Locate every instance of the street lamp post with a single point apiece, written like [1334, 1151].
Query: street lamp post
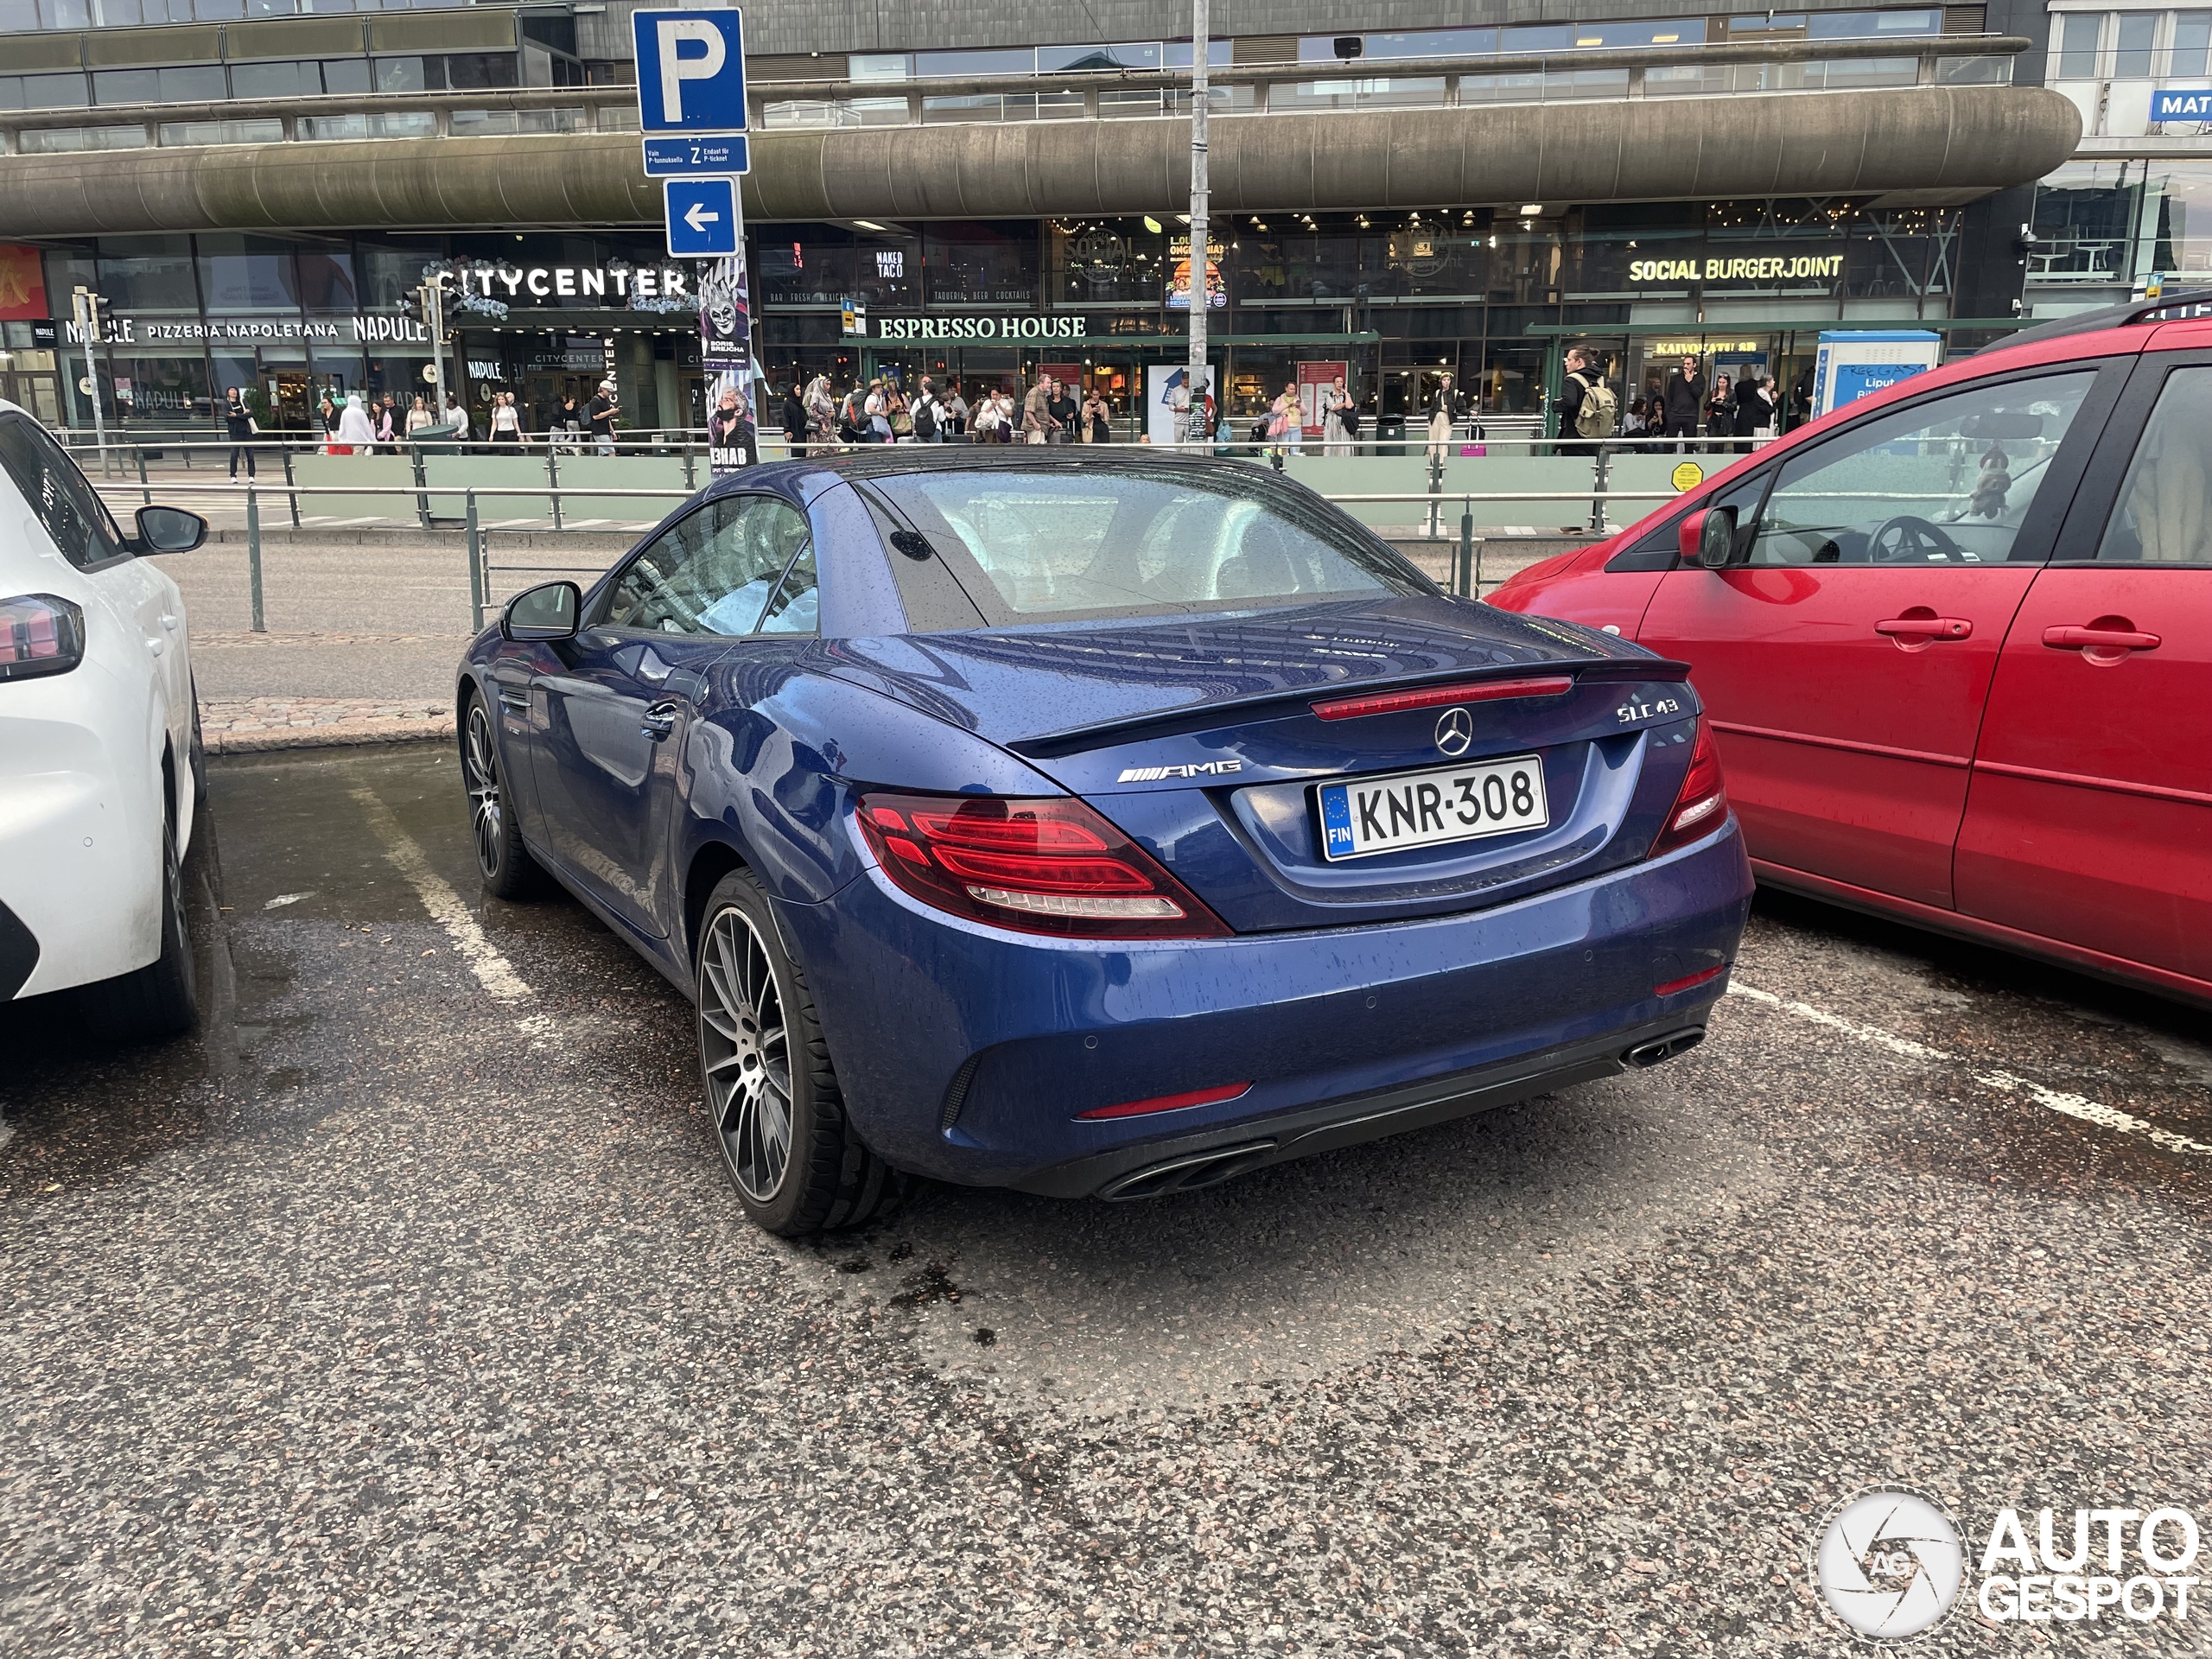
[1195, 376]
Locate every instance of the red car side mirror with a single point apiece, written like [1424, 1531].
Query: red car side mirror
[1708, 537]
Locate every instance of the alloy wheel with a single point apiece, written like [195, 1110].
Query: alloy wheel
[480, 774]
[745, 1054]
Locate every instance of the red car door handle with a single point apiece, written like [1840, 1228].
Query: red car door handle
[2094, 639]
[1926, 627]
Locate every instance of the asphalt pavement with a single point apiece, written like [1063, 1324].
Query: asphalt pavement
[406, 1310]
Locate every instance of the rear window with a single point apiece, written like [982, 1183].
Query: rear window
[1052, 543]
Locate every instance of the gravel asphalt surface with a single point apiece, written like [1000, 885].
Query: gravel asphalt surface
[407, 1311]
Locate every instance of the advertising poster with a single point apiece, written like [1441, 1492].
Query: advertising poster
[1318, 388]
[725, 356]
[23, 284]
[1179, 293]
[1166, 399]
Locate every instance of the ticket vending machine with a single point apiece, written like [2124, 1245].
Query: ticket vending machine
[1854, 362]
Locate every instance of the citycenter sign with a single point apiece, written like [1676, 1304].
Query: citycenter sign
[573, 281]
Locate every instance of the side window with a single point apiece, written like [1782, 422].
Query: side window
[59, 494]
[2163, 515]
[1662, 549]
[796, 607]
[712, 571]
[1948, 482]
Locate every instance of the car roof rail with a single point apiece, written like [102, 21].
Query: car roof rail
[2167, 307]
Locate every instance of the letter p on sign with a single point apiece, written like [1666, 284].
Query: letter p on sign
[690, 71]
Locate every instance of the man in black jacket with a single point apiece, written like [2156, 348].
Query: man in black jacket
[1684, 401]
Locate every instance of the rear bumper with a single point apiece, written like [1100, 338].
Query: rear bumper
[966, 1053]
[80, 841]
[1161, 1167]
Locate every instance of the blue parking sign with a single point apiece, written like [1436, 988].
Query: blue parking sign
[690, 70]
[702, 222]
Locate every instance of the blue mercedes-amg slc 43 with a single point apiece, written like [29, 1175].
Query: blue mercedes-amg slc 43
[1095, 823]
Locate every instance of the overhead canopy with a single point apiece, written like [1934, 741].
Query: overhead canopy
[1940, 144]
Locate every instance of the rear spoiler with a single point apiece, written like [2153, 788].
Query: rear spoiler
[1174, 722]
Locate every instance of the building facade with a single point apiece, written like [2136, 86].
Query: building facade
[941, 192]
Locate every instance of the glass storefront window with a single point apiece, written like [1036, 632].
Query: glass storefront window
[148, 273]
[2192, 35]
[2085, 216]
[2138, 32]
[1054, 59]
[1090, 262]
[984, 263]
[886, 271]
[802, 264]
[43, 91]
[388, 274]
[295, 79]
[2077, 45]
[165, 389]
[243, 274]
[327, 279]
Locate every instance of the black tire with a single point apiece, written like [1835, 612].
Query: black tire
[762, 1056]
[160, 1000]
[508, 870]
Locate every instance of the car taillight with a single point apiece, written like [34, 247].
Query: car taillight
[1051, 865]
[1702, 801]
[39, 633]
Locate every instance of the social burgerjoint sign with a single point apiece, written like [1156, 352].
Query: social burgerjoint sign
[1779, 268]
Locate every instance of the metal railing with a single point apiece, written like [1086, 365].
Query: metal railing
[1719, 69]
[1466, 570]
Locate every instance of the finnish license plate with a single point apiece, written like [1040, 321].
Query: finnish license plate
[1427, 808]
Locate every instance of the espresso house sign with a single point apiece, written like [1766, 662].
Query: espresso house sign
[986, 327]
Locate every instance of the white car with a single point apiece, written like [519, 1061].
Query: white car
[100, 762]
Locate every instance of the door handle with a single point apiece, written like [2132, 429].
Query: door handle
[659, 721]
[2099, 637]
[1926, 627]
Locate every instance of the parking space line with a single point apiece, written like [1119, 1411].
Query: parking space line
[2075, 1106]
[493, 971]
[2090, 1112]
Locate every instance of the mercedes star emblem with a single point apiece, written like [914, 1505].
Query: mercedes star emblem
[1455, 730]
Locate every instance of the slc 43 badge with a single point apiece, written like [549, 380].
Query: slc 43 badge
[1629, 713]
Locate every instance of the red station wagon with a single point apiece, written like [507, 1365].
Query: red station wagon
[1956, 641]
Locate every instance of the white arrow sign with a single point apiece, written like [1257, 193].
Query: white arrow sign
[698, 218]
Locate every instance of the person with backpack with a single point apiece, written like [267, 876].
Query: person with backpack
[927, 414]
[1588, 407]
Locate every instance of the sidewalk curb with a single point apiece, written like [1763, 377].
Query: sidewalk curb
[339, 735]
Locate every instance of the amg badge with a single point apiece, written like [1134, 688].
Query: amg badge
[1202, 769]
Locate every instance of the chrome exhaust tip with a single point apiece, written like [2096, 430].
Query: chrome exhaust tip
[1183, 1174]
[1664, 1048]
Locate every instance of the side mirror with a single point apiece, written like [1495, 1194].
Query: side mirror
[170, 530]
[548, 611]
[1708, 537]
